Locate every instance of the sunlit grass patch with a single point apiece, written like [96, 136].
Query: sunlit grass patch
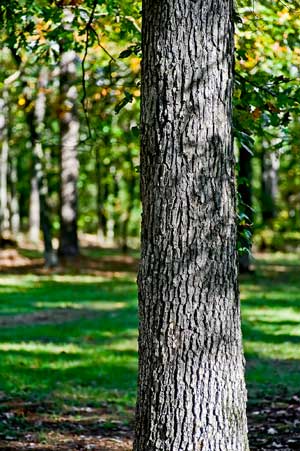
[271, 326]
[82, 348]
[278, 258]
[73, 339]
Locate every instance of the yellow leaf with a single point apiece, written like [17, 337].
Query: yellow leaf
[22, 101]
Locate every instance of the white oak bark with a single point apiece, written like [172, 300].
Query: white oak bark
[191, 394]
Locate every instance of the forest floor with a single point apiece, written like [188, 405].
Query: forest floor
[68, 354]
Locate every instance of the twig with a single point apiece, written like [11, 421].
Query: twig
[133, 21]
[100, 45]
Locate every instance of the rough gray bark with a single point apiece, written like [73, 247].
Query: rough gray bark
[191, 393]
[37, 128]
[269, 184]
[68, 240]
[4, 213]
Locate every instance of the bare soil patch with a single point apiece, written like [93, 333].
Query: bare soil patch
[13, 262]
[39, 427]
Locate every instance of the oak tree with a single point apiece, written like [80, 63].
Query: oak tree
[191, 392]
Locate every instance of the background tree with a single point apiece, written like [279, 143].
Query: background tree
[39, 166]
[4, 214]
[69, 122]
[69, 135]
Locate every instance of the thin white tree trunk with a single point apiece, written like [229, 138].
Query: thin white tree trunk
[14, 200]
[34, 210]
[4, 213]
[270, 164]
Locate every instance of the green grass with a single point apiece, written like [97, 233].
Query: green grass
[79, 341]
[271, 326]
[75, 342]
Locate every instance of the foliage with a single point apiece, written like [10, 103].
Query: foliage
[266, 99]
[33, 34]
[106, 37]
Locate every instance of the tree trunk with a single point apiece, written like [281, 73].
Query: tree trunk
[245, 192]
[38, 125]
[130, 189]
[116, 216]
[102, 226]
[34, 209]
[14, 199]
[191, 394]
[4, 214]
[68, 240]
[269, 184]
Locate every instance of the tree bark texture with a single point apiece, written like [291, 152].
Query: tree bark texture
[68, 240]
[191, 393]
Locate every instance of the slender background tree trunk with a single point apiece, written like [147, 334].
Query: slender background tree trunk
[68, 240]
[4, 213]
[100, 198]
[191, 393]
[130, 189]
[269, 184]
[245, 191]
[34, 209]
[38, 126]
[14, 199]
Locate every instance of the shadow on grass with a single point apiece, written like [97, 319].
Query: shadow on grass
[258, 334]
[271, 314]
[73, 338]
[30, 294]
[73, 341]
[69, 360]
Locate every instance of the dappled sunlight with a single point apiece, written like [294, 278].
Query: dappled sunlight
[44, 348]
[104, 305]
[70, 342]
[271, 331]
[69, 339]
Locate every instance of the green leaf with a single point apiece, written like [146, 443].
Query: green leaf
[126, 53]
[127, 99]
